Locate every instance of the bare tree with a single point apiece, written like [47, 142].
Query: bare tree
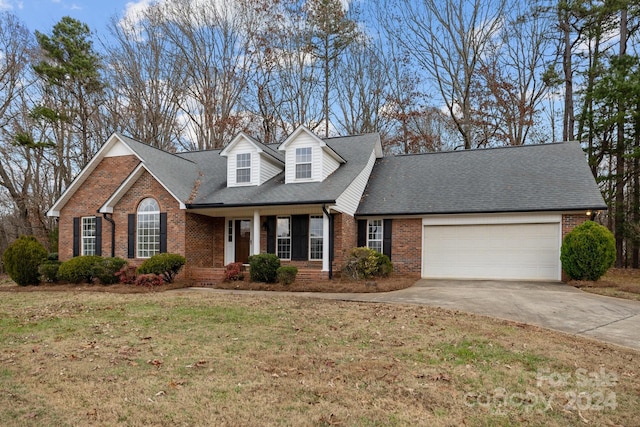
[213, 43]
[363, 85]
[146, 75]
[448, 39]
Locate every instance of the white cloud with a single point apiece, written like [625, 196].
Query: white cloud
[5, 5]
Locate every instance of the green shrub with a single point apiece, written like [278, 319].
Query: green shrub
[264, 268]
[588, 251]
[167, 265]
[81, 269]
[108, 268]
[287, 274]
[234, 271]
[49, 271]
[22, 259]
[53, 256]
[365, 263]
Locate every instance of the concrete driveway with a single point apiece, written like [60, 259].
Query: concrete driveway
[551, 305]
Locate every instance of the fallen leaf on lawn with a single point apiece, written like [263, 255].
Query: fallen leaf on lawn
[155, 362]
[160, 393]
[440, 377]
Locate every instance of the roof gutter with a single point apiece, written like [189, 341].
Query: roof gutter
[418, 213]
[246, 205]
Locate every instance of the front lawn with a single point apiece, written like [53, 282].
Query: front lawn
[201, 358]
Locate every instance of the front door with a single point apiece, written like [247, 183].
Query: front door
[243, 240]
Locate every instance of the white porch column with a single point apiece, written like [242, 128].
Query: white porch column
[325, 242]
[256, 233]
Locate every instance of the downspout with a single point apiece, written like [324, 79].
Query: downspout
[113, 233]
[326, 212]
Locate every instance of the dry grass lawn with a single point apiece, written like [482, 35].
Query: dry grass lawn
[617, 282]
[201, 358]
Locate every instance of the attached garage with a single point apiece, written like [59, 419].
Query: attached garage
[518, 247]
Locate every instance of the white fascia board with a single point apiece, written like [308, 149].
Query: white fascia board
[295, 134]
[225, 151]
[54, 211]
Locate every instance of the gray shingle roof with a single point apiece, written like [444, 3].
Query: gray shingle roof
[176, 173]
[548, 177]
[213, 190]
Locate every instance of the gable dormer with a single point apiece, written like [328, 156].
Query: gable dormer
[250, 162]
[308, 158]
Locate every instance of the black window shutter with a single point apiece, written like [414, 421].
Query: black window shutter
[386, 238]
[272, 225]
[98, 236]
[131, 236]
[163, 232]
[76, 236]
[362, 233]
[299, 237]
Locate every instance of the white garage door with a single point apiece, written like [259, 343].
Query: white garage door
[489, 251]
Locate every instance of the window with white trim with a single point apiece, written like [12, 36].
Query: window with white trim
[148, 228]
[283, 244]
[374, 234]
[88, 235]
[243, 168]
[303, 163]
[315, 237]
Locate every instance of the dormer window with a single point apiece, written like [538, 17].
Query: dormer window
[243, 168]
[303, 163]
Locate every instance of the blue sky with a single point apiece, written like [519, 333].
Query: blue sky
[42, 15]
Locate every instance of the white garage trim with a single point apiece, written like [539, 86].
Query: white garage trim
[508, 247]
[492, 219]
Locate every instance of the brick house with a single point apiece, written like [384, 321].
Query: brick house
[495, 213]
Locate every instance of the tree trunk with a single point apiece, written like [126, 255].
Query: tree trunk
[620, 214]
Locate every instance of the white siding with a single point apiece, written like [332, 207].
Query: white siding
[349, 200]
[268, 170]
[329, 165]
[242, 147]
[322, 165]
[303, 140]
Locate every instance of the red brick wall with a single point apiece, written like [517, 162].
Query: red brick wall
[199, 237]
[346, 238]
[219, 236]
[406, 246]
[147, 186]
[91, 195]
[570, 221]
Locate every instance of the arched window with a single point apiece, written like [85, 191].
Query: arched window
[148, 228]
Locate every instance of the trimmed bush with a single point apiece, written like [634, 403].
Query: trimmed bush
[234, 272]
[365, 263]
[81, 269]
[49, 271]
[588, 251]
[287, 274]
[264, 268]
[53, 256]
[166, 265]
[108, 268]
[22, 259]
